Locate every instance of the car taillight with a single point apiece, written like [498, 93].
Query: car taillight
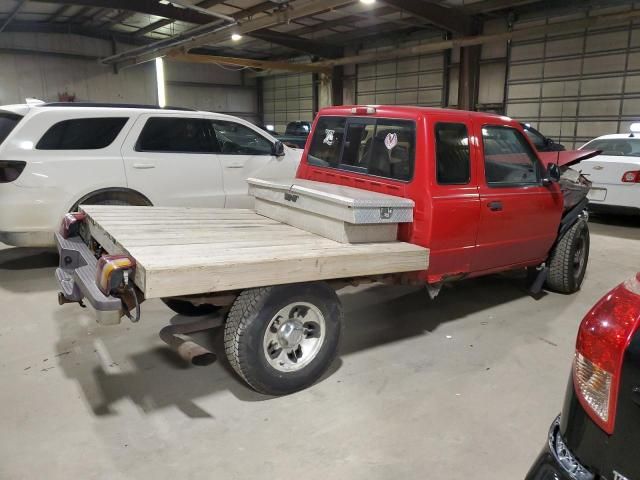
[10, 170]
[603, 338]
[631, 177]
[113, 272]
[70, 225]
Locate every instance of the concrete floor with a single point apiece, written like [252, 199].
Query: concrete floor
[463, 386]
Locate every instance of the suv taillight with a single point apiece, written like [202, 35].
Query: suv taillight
[631, 177]
[10, 170]
[603, 338]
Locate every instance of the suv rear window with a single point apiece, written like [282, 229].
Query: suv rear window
[8, 122]
[82, 134]
[373, 146]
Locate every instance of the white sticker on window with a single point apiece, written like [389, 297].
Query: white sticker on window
[328, 137]
[391, 140]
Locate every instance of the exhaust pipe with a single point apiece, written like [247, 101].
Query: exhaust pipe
[189, 350]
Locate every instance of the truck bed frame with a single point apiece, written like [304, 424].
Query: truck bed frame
[190, 251]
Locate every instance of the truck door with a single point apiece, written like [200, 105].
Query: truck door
[454, 193]
[519, 216]
[172, 159]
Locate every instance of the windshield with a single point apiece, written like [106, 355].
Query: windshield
[8, 121]
[617, 147]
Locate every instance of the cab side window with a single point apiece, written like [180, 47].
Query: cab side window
[237, 139]
[177, 135]
[508, 158]
[453, 166]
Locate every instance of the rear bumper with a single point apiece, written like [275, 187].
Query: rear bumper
[556, 462]
[76, 277]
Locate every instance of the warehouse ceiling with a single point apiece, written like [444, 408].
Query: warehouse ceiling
[294, 27]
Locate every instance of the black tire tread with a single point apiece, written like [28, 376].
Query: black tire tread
[245, 305]
[560, 273]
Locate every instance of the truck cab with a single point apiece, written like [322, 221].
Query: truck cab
[484, 200]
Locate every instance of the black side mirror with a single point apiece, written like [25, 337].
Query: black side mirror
[553, 174]
[278, 149]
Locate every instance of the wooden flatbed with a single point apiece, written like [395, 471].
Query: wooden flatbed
[187, 251]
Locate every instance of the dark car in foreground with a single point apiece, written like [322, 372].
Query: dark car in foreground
[597, 436]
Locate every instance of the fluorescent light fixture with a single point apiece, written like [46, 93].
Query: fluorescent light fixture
[368, 2]
[162, 99]
[635, 127]
[236, 37]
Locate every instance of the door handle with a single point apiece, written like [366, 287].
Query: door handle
[495, 206]
[237, 165]
[143, 166]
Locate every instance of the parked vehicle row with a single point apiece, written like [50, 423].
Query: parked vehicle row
[54, 157]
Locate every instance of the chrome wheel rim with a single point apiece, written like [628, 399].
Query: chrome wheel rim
[294, 336]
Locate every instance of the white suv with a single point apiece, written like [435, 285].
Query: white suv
[54, 157]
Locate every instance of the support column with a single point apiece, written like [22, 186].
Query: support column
[469, 77]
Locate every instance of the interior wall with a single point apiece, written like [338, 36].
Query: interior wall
[287, 98]
[70, 67]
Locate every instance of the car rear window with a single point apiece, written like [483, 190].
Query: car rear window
[373, 146]
[8, 122]
[617, 147]
[179, 135]
[82, 134]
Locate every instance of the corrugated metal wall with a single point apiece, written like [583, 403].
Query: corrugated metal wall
[407, 81]
[287, 98]
[574, 86]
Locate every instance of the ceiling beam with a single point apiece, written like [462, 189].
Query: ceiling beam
[59, 12]
[297, 43]
[246, 62]
[449, 19]
[213, 33]
[468, 41]
[150, 7]
[151, 27]
[12, 14]
[74, 29]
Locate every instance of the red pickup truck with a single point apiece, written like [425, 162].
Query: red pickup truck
[483, 202]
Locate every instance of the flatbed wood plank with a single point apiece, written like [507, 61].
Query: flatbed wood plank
[214, 250]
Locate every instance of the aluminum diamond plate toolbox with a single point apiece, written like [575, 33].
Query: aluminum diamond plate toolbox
[348, 204]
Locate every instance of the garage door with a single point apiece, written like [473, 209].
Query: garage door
[575, 86]
[408, 81]
[287, 98]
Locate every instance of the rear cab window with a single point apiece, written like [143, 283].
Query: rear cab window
[379, 147]
[8, 122]
[453, 163]
[82, 134]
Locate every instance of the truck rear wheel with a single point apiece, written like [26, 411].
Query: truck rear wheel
[568, 260]
[281, 339]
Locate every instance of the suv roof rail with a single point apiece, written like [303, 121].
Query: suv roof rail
[114, 105]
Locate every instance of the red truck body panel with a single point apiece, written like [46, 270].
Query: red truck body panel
[466, 235]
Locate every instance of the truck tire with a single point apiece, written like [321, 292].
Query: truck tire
[568, 260]
[188, 309]
[281, 339]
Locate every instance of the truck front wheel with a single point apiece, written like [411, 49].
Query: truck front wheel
[281, 339]
[568, 260]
